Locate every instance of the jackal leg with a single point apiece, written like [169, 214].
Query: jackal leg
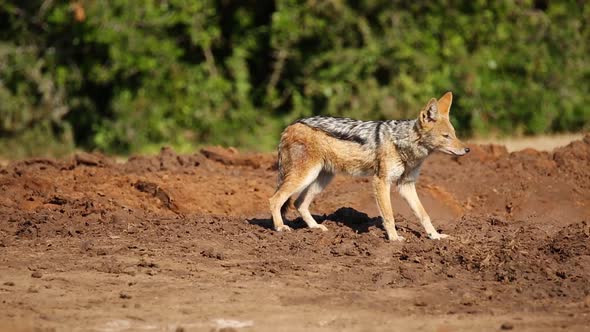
[408, 192]
[304, 200]
[382, 189]
[293, 183]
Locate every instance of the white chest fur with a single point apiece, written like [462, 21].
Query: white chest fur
[396, 171]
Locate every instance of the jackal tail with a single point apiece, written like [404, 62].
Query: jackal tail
[289, 202]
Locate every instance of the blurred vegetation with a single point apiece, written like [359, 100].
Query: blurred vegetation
[128, 76]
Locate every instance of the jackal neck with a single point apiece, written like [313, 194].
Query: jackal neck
[407, 140]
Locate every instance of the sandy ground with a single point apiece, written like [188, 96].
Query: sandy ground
[540, 142]
[183, 243]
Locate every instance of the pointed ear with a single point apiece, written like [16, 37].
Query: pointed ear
[429, 114]
[444, 103]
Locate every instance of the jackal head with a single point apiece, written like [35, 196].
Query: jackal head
[435, 128]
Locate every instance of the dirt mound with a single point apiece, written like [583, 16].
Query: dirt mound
[571, 241]
[126, 245]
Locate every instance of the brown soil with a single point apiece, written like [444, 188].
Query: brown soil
[183, 243]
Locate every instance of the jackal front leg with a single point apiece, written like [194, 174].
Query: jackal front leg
[408, 192]
[382, 195]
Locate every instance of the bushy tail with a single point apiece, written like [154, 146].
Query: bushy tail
[289, 202]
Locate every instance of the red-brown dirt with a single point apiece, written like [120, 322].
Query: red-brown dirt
[183, 243]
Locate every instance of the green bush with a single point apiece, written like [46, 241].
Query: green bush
[128, 76]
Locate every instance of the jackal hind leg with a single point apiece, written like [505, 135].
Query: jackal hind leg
[304, 200]
[294, 182]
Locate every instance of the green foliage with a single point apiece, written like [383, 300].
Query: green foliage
[126, 76]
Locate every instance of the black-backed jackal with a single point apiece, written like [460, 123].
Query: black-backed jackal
[313, 149]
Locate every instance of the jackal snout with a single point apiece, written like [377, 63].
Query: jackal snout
[455, 147]
[436, 128]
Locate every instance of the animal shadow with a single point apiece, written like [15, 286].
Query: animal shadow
[360, 222]
[349, 217]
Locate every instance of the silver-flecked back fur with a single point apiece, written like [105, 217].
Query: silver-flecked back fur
[369, 134]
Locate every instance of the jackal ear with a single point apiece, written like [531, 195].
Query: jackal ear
[429, 114]
[444, 103]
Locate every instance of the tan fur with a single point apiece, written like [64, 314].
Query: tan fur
[309, 157]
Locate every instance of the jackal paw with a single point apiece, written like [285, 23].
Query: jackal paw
[397, 239]
[438, 236]
[283, 228]
[322, 227]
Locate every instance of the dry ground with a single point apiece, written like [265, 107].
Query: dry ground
[540, 142]
[183, 243]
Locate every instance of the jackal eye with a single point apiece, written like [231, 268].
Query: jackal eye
[446, 136]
